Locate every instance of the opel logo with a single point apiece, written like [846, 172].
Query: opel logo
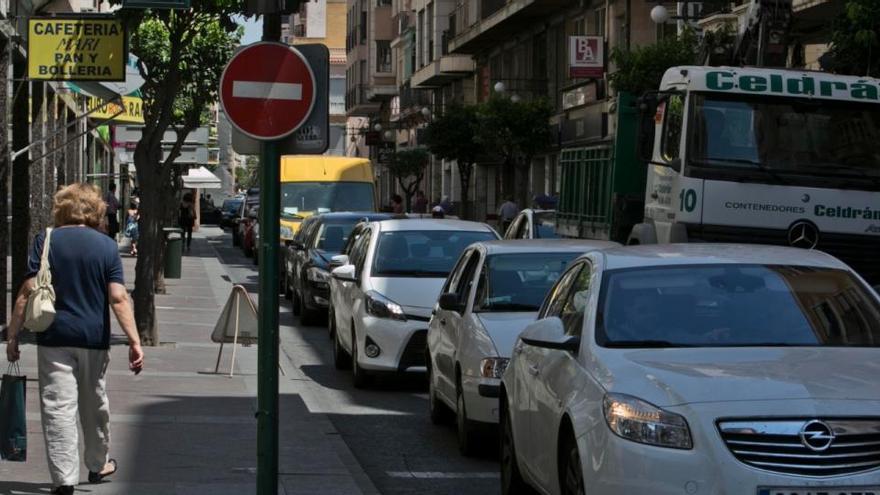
[816, 435]
[803, 234]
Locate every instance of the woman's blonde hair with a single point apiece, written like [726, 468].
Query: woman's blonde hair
[79, 204]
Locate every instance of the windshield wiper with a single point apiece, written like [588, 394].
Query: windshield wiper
[647, 344]
[508, 307]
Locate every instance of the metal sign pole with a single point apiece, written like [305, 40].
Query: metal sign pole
[267, 366]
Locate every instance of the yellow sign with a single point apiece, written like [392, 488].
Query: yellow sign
[132, 109]
[76, 49]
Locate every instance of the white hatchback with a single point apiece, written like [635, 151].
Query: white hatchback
[383, 294]
[699, 369]
[492, 294]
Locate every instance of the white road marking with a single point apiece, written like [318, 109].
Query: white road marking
[441, 475]
[267, 90]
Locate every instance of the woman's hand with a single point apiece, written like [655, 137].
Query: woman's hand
[135, 357]
[12, 352]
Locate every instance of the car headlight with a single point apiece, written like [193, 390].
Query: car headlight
[315, 274]
[493, 367]
[381, 307]
[639, 421]
[286, 232]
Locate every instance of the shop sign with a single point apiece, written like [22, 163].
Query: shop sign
[586, 57]
[76, 49]
[131, 108]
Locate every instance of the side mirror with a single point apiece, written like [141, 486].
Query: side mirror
[449, 302]
[549, 333]
[338, 260]
[344, 273]
[675, 164]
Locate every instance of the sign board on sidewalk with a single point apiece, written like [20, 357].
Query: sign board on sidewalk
[76, 49]
[313, 136]
[267, 90]
[238, 320]
[586, 56]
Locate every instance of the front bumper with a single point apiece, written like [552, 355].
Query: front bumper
[481, 398]
[317, 295]
[402, 344]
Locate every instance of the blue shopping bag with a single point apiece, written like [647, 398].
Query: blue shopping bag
[13, 423]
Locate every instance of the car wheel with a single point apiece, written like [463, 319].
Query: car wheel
[464, 427]
[512, 482]
[439, 411]
[341, 359]
[296, 305]
[308, 317]
[358, 374]
[571, 476]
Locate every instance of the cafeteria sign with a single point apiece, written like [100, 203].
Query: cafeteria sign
[129, 111]
[76, 49]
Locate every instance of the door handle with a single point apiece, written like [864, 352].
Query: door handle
[443, 321]
[533, 370]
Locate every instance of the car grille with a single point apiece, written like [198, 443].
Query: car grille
[804, 447]
[414, 352]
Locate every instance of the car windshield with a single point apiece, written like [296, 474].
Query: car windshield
[780, 136]
[736, 305]
[422, 253]
[545, 225]
[299, 197]
[332, 235]
[518, 282]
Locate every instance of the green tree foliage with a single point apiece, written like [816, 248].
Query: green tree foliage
[641, 68]
[451, 136]
[854, 39]
[517, 131]
[408, 167]
[246, 177]
[182, 54]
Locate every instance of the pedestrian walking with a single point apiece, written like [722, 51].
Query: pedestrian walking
[397, 204]
[187, 219]
[132, 228]
[73, 352]
[112, 206]
[419, 202]
[507, 213]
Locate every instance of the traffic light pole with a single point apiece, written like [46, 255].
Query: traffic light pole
[267, 366]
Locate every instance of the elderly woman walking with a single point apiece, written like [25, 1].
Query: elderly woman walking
[73, 352]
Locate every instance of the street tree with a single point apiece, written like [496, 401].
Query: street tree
[408, 167]
[855, 40]
[517, 131]
[182, 54]
[246, 176]
[450, 136]
[640, 68]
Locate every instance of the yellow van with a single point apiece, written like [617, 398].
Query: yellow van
[312, 184]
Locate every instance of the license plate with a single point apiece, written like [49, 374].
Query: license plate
[819, 490]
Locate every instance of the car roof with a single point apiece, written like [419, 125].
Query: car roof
[352, 215]
[712, 253]
[520, 246]
[432, 224]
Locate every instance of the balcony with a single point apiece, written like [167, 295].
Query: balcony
[413, 99]
[477, 24]
[444, 69]
[357, 103]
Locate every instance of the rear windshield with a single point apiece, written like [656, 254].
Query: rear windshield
[332, 235]
[422, 253]
[545, 225]
[736, 305]
[518, 282]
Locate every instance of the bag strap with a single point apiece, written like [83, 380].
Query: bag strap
[13, 369]
[44, 260]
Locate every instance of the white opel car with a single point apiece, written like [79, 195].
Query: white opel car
[382, 297]
[494, 291]
[700, 369]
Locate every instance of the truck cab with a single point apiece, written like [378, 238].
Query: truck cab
[771, 156]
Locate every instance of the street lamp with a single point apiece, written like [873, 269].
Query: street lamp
[515, 98]
[500, 87]
[426, 112]
[377, 127]
[389, 135]
[659, 14]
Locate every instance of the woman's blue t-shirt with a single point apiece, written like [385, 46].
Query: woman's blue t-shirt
[83, 262]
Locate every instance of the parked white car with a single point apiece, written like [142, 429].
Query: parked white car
[533, 224]
[383, 294]
[494, 291]
[697, 369]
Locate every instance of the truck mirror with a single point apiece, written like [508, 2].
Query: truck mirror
[675, 164]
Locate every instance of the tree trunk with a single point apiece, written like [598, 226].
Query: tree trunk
[464, 177]
[38, 163]
[147, 161]
[20, 172]
[522, 185]
[4, 180]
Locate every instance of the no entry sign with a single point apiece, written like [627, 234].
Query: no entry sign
[267, 90]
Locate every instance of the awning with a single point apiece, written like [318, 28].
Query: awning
[201, 178]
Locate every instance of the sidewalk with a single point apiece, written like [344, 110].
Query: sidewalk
[178, 428]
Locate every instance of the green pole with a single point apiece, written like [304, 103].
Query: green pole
[267, 365]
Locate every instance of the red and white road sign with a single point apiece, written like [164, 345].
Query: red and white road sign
[267, 90]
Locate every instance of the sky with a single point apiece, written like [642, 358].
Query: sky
[253, 30]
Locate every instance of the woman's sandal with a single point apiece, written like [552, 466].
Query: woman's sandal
[98, 477]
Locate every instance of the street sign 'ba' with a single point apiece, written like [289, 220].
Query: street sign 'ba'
[267, 90]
